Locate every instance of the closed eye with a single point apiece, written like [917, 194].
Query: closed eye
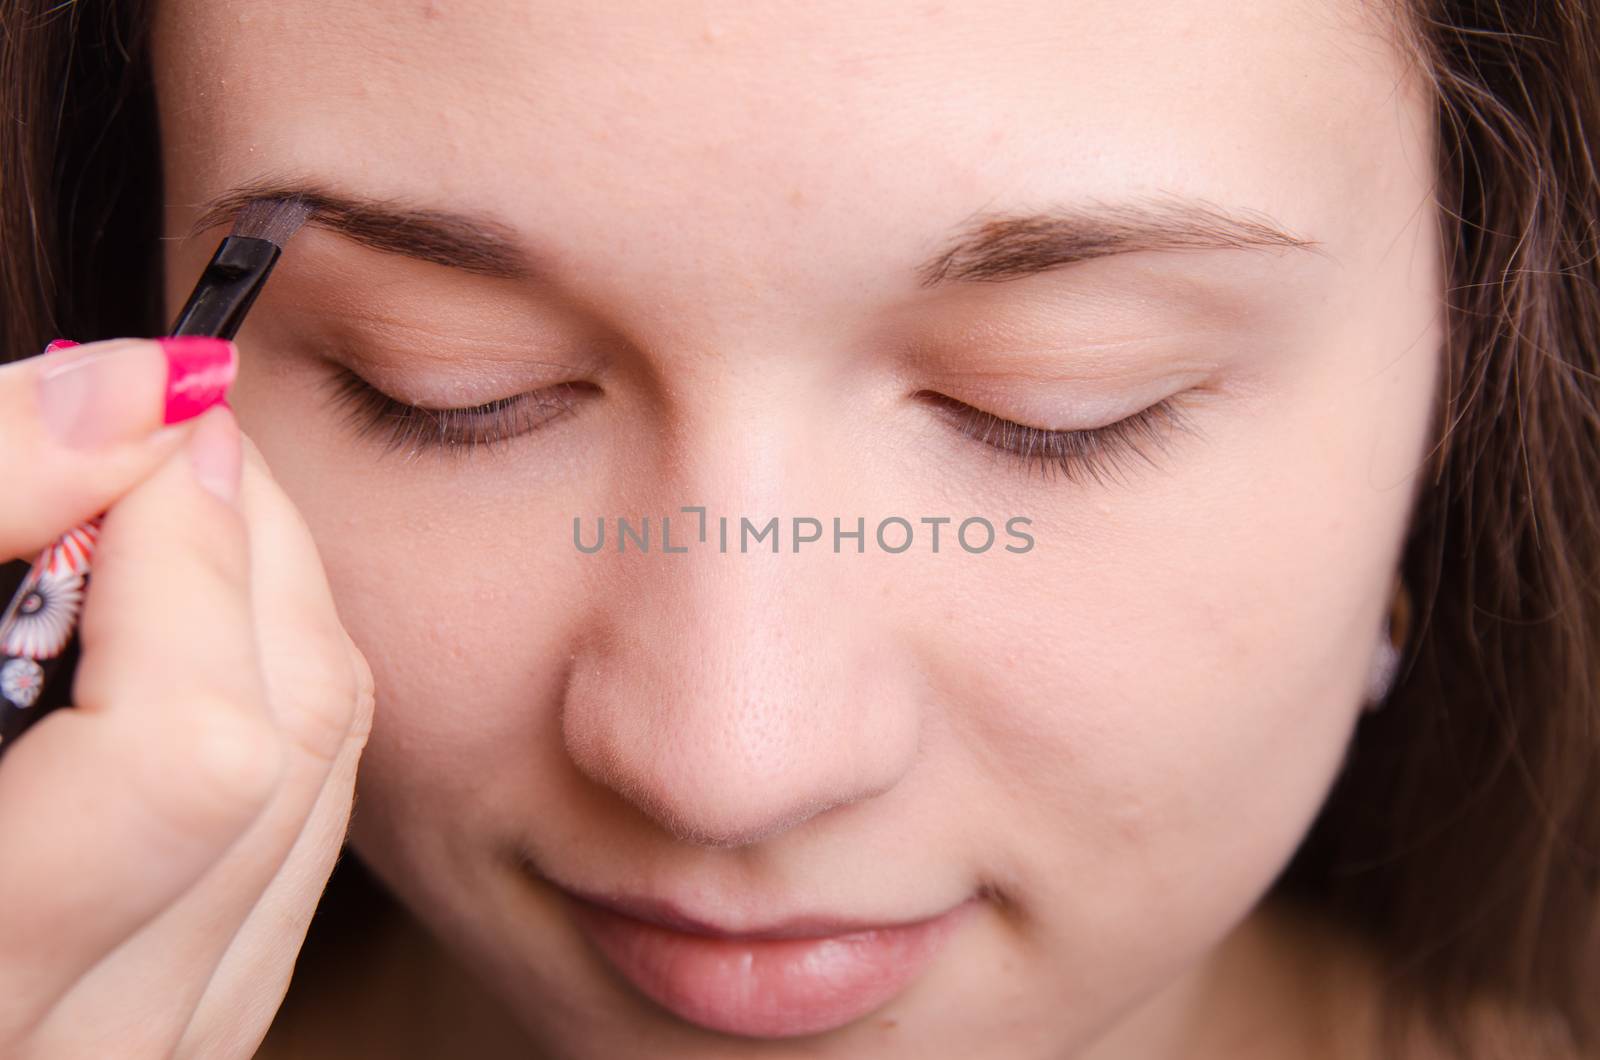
[1096, 453]
[456, 431]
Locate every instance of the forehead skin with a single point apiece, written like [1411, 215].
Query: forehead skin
[760, 141]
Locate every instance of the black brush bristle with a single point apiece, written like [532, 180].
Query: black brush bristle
[274, 220]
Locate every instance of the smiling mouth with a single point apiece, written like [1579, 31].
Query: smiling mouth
[783, 978]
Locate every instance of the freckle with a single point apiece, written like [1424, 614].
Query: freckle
[888, 1025]
[713, 33]
[797, 197]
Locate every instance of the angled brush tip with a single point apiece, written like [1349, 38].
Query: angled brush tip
[272, 219]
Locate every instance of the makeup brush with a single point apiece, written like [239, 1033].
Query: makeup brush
[39, 627]
[240, 267]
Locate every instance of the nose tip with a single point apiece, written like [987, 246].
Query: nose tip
[746, 708]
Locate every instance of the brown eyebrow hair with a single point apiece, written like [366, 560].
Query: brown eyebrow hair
[990, 247]
[995, 247]
[459, 241]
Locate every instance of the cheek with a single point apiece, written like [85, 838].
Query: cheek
[1152, 705]
[454, 591]
[464, 629]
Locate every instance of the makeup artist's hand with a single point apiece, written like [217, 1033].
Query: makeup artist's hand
[164, 843]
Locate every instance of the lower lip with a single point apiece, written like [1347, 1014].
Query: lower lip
[766, 988]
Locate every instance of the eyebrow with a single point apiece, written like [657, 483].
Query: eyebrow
[457, 240]
[989, 247]
[996, 247]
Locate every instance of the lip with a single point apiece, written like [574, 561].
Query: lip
[802, 975]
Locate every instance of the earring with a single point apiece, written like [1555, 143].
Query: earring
[1391, 646]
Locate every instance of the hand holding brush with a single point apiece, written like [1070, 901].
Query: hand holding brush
[166, 838]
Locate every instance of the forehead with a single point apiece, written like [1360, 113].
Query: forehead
[834, 129]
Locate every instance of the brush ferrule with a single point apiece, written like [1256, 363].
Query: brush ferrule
[227, 288]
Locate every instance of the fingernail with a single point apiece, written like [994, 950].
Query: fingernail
[215, 452]
[90, 396]
[199, 372]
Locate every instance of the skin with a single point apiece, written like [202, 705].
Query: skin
[1117, 738]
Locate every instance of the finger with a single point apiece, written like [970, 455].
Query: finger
[262, 958]
[314, 675]
[245, 919]
[80, 426]
[110, 810]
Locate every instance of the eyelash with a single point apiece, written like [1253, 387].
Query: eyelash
[1094, 453]
[452, 432]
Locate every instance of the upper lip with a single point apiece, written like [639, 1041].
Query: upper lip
[668, 914]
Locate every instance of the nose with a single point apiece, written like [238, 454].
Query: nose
[733, 696]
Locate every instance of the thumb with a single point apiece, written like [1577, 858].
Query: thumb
[82, 425]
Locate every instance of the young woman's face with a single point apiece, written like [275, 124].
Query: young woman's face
[750, 258]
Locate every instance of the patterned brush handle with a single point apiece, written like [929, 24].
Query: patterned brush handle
[38, 631]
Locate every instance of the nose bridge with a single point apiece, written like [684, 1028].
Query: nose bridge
[730, 695]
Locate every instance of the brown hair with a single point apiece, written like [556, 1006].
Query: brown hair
[1463, 837]
[1464, 833]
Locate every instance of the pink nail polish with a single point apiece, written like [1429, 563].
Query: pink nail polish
[199, 372]
[59, 344]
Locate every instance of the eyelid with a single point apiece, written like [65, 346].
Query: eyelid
[1057, 394]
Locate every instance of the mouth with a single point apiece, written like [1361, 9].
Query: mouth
[786, 978]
